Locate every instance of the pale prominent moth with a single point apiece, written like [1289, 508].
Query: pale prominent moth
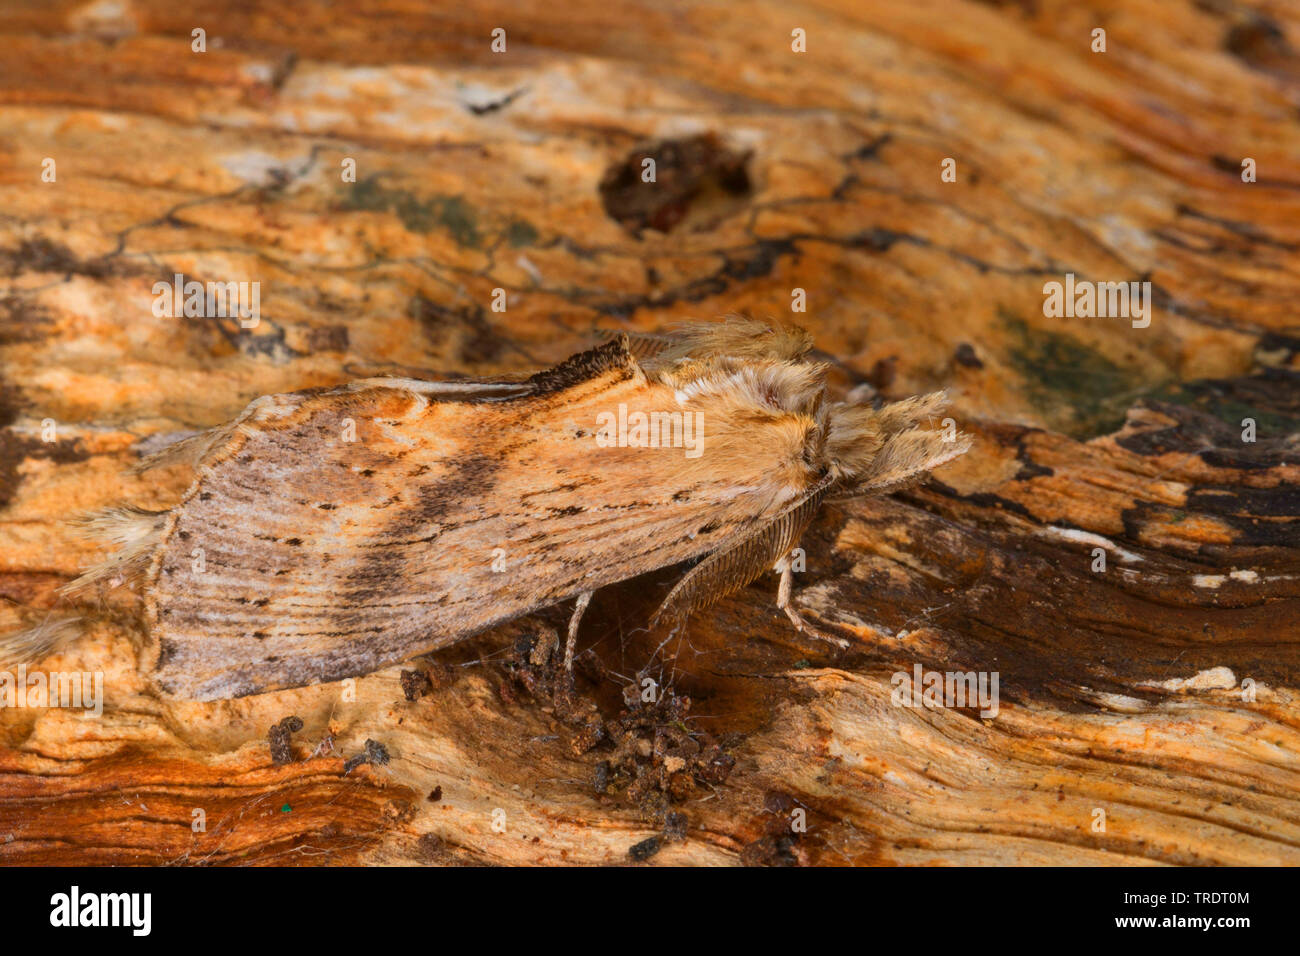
[332, 532]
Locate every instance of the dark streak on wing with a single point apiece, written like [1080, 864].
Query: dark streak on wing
[473, 478]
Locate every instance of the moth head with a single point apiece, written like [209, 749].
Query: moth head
[870, 450]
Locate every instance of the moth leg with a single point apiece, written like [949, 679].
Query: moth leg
[785, 592]
[579, 607]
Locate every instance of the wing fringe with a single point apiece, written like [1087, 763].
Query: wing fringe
[36, 643]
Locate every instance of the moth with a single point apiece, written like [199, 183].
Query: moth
[332, 532]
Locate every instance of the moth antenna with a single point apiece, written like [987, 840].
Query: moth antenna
[643, 345]
[36, 643]
[741, 560]
[136, 531]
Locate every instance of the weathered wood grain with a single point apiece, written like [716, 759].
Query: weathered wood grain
[1121, 691]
